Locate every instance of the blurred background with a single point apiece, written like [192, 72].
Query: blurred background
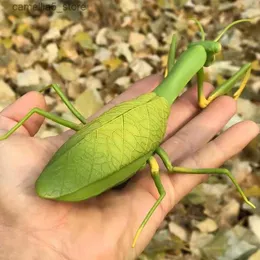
[95, 49]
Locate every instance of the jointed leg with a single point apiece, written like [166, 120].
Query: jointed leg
[171, 56]
[73, 110]
[244, 73]
[41, 112]
[157, 180]
[173, 169]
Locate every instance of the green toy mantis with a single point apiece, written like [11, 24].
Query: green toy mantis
[113, 147]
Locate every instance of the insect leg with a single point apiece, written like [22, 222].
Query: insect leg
[41, 112]
[157, 180]
[73, 110]
[174, 169]
[244, 73]
[171, 55]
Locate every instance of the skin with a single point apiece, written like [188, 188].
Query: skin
[104, 227]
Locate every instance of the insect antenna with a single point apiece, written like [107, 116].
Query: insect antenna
[202, 32]
[229, 26]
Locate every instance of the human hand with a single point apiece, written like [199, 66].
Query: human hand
[103, 227]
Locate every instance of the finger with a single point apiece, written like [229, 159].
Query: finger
[200, 129]
[16, 111]
[143, 192]
[214, 154]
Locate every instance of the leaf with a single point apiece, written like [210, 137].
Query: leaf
[112, 63]
[246, 255]
[254, 224]
[89, 102]
[240, 241]
[7, 42]
[167, 4]
[22, 28]
[180, 3]
[84, 40]
[215, 247]
[66, 71]
[253, 191]
[164, 241]
[254, 256]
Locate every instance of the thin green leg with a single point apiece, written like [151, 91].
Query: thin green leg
[41, 112]
[171, 55]
[73, 110]
[200, 27]
[244, 73]
[157, 180]
[173, 169]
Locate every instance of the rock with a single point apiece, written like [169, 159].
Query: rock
[89, 102]
[154, 60]
[254, 224]
[158, 26]
[96, 69]
[60, 108]
[108, 98]
[50, 101]
[60, 24]
[251, 9]
[2, 16]
[28, 78]
[216, 190]
[52, 35]
[233, 41]
[25, 61]
[229, 213]
[74, 89]
[68, 50]
[7, 95]
[67, 71]
[43, 22]
[123, 49]
[70, 117]
[123, 82]
[84, 40]
[137, 41]
[256, 86]
[72, 31]
[199, 240]
[141, 68]
[152, 41]
[255, 256]
[241, 170]
[178, 231]
[246, 109]
[130, 5]
[101, 38]
[207, 226]
[102, 54]
[221, 68]
[21, 43]
[234, 120]
[93, 83]
[51, 53]
[44, 75]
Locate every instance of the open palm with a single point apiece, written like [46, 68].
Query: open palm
[104, 227]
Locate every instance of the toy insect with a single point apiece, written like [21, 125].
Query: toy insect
[113, 147]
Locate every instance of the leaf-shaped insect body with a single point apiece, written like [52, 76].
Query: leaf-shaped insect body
[107, 151]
